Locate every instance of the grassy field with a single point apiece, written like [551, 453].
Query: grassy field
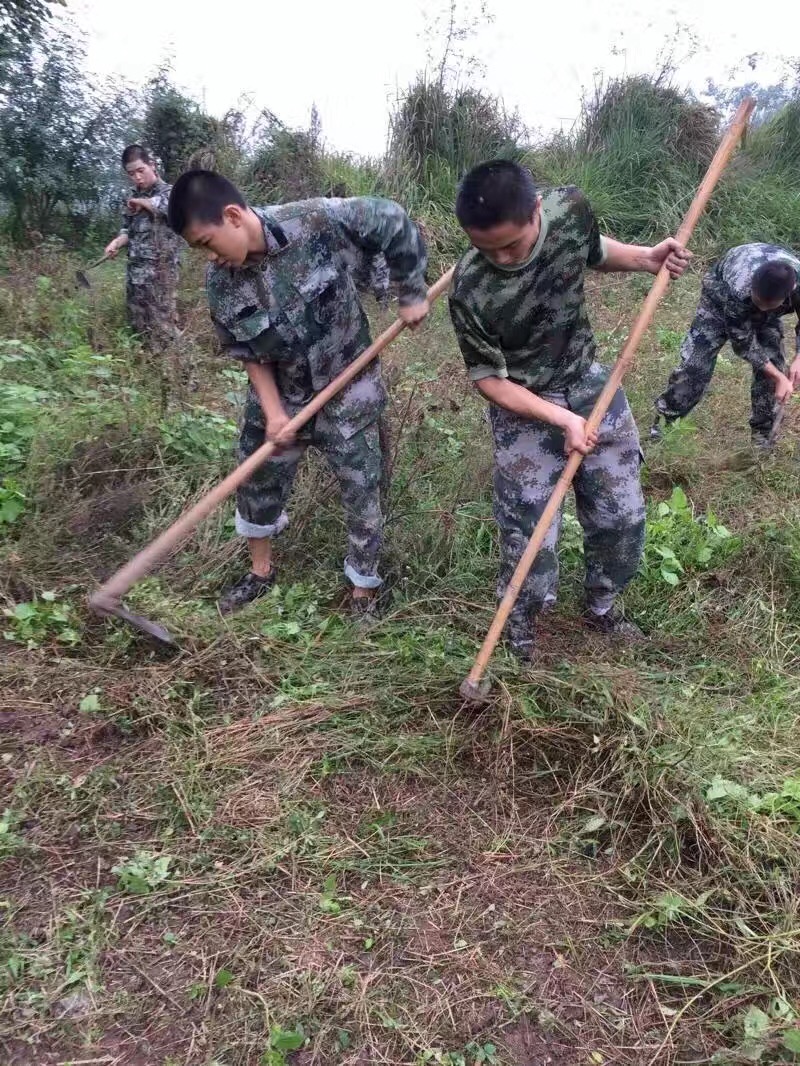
[290, 843]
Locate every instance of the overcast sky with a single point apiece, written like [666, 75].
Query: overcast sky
[350, 57]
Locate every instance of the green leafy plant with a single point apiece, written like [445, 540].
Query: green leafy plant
[784, 804]
[281, 1042]
[198, 436]
[143, 873]
[20, 410]
[10, 840]
[12, 502]
[667, 908]
[34, 622]
[678, 542]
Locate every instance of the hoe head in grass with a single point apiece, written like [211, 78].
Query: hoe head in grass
[752, 457]
[478, 694]
[114, 609]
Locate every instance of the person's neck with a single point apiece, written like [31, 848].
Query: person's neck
[256, 241]
[537, 229]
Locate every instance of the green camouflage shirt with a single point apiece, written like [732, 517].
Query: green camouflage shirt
[297, 307]
[149, 237]
[529, 323]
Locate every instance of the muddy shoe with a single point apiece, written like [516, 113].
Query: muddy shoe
[246, 589]
[365, 610]
[613, 624]
[760, 443]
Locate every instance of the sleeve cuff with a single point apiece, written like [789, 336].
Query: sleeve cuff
[408, 296]
[478, 373]
[240, 352]
[603, 252]
[757, 360]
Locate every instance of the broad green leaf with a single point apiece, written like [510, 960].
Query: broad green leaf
[722, 788]
[285, 1040]
[756, 1023]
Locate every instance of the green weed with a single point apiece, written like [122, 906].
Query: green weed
[143, 872]
[37, 621]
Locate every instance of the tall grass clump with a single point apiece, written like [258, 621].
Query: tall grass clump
[760, 198]
[640, 148]
[436, 133]
[638, 151]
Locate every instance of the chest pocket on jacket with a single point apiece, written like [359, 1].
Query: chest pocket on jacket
[264, 335]
[322, 295]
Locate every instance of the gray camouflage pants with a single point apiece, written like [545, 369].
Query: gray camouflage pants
[150, 296]
[356, 462]
[529, 459]
[701, 346]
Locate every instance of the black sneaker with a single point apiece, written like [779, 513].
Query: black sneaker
[613, 624]
[246, 589]
[365, 611]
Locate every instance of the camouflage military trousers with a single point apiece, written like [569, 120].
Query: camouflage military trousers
[701, 346]
[356, 462]
[150, 296]
[529, 459]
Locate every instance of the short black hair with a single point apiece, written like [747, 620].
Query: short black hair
[496, 192]
[134, 152]
[774, 281]
[201, 196]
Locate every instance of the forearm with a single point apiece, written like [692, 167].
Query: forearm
[520, 401]
[263, 381]
[772, 371]
[121, 238]
[625, 258]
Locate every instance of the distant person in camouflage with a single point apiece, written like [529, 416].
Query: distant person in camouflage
[284, 303]
[518, 308]
[153, 252]
[742, 300]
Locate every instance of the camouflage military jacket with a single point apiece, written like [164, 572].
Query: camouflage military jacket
[149, 237]
[529, 322]
[728, 285]
[297, 307]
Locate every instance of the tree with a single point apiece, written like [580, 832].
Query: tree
[21, 21]
[60, 134]
[286, 164]
[174, 125]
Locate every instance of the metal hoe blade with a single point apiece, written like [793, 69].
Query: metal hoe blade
[81, 279]
[138, 621]
[478, 695]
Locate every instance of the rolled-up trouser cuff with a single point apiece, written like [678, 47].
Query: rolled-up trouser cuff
[361, 581]
[250, 529]
[599, 602]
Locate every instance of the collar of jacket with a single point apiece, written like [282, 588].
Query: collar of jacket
[274, 237]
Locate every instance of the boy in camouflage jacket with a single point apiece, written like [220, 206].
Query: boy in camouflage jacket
[519, 312]
[283, 302]
[742, 300]
[153, 252]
